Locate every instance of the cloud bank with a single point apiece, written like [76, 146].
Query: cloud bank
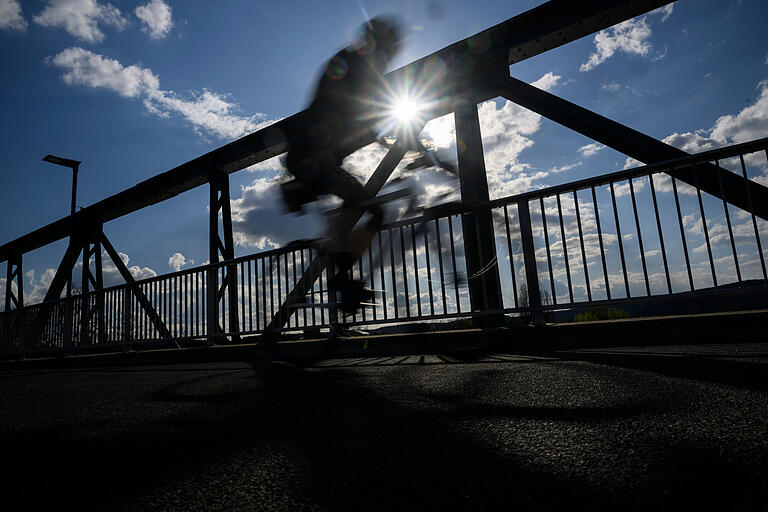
[206, 112]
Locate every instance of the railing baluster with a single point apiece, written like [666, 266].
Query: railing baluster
[381, 275]
[250, 295]
[405, 274]
[255, 294]
[639, 238]
[429, 268]
[271, 290]
[581, 242]
[661, 235]
[392, 270]
[565, 249]
[596, 208]
[728, 222]
[704, 225]
[511, 257]
[370, 275]
[546, 244]
[440, 260]
[682, 233]
[453, 261]
[621, 244]
[416, 269]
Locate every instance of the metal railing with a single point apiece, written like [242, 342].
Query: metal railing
[636, 235]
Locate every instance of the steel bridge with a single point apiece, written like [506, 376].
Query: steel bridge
[617, 239]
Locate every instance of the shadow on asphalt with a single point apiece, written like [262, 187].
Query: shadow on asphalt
[285, 437]
[700, 367]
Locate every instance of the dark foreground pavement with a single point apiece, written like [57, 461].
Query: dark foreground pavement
[636, 428]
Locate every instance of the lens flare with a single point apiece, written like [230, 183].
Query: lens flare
[405, 110]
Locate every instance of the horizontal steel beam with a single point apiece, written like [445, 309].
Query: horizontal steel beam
[547, 26]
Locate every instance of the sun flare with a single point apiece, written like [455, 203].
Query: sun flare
[405, 110]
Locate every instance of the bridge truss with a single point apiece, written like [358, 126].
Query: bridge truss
[219, 299]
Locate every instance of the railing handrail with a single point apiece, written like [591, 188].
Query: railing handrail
[441, 211]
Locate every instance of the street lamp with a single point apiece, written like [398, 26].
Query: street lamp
[72, 164]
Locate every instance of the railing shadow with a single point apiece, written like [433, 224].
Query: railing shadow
[446, 436]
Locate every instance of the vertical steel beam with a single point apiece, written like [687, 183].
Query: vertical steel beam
[92, 282]
[220, 202]
[15, 299]
[477, 227]
[529, 258]
[14, 275]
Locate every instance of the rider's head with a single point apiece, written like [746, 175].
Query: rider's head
[383, 34]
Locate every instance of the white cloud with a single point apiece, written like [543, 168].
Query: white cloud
[751, 123]
[92, 70]
[81, 18]
[590, 149]
[629, 36]
[156, 16]
[258, 218]
[611, 87]
[10, 16]
[547, 82]
[177, 261]
[113, 277]
[207, 112]
[564, 168]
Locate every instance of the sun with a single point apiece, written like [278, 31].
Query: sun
[405, 110]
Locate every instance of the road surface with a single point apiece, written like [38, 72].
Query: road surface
[636, 428]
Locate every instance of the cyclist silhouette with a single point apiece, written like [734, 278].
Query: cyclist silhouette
[349, 94]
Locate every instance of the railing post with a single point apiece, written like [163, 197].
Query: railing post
[212, 304]
[529, 257]
[85, 310]
[127, 316]
[69, 321]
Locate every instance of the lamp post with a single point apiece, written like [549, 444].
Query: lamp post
[74, 165]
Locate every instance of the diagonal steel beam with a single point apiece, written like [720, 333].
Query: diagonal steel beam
[348, 221]
[632, 143]
[63, 272]
[135, 289]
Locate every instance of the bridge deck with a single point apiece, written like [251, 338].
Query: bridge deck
[637, 427]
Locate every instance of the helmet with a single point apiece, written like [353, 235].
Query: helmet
[384, 33]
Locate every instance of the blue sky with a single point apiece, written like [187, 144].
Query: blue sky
[134, 88]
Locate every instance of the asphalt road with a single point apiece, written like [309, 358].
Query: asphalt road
[637, 428]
